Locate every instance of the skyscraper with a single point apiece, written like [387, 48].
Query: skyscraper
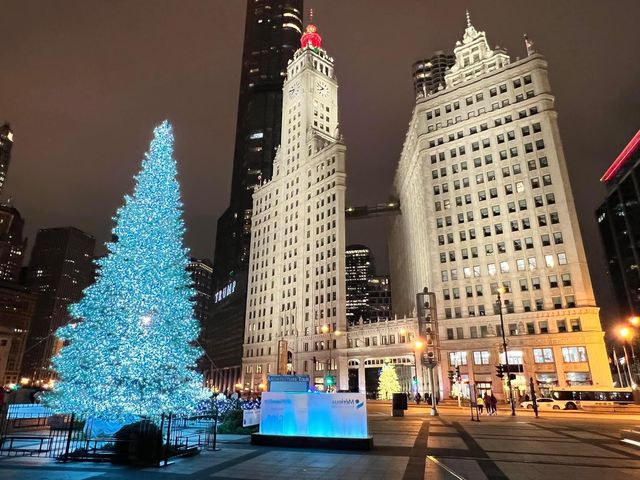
[487, 205]
[6, 143]
[368, 294]
[12, 243]
[59, 270]
[428, 74]
[619, 222]
[272, 33]
[379, 288]
[201, 272]
[17, 306]
[359, 270]
[296, 306]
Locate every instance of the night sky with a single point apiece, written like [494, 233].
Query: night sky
[84, 82]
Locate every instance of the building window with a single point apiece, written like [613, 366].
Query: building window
[515, 357]
[481, 358]
[457, 358]
[543, 355]
[574, 354]
[575, 325]
[450, 334]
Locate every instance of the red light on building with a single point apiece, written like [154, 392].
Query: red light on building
[311, 37]
[622, 158]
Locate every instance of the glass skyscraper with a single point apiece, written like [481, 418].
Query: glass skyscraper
[619, 222]
[272, 35]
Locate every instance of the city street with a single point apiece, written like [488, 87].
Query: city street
[556, 445]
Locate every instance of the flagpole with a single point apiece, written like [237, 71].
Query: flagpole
[615, 359]
[626, 360]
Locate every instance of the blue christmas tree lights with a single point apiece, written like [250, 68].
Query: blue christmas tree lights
[130, 350]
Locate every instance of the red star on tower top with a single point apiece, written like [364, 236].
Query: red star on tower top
[311, 37]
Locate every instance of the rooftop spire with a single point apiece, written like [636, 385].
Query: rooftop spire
[311, 37]
[468, 19]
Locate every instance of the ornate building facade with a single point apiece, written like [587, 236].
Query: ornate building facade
[487, 204]
[296, 308]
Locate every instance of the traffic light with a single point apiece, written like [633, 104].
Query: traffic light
[330, 381]
[500, 371]
[450, 374]
[458, 377]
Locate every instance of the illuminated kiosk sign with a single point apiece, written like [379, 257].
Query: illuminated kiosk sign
[323, 420]
[288, 383]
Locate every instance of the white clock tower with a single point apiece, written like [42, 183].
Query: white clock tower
[296, 306]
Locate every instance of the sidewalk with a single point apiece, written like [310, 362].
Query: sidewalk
[415, 447]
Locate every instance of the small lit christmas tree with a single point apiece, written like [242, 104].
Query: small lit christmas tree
[388, 382]
[130, 352]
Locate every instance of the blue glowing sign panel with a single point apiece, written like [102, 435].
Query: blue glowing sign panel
[333, 415]
[288, 383]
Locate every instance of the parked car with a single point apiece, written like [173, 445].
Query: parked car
[547, 404]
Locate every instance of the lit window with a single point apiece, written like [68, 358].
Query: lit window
[574, 354]
[543, 355]
[481, 358]
[457, 358]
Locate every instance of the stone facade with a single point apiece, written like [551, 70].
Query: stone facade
[487, 204]
[297, 265]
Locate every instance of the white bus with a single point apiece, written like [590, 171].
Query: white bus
[582, 396]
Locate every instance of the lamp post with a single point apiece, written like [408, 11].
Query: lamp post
[506, 354]
[417, 346]
[326, 329]
[627, 334]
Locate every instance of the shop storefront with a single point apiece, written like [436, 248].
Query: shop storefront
[545, 383]
[578, 378]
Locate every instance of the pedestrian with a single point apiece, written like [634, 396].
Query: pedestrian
[487, 402]
[479, 402]
[418, 398]
[494, 404]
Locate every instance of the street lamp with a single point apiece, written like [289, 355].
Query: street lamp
[506, 354]
[627, 334]
[328, 378]
[417, 346]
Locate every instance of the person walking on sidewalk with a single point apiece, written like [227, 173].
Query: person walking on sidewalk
[418, 398]
[487, 402]
[479, 403]
[494, 404]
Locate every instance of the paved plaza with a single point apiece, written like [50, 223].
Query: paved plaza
[416, 446]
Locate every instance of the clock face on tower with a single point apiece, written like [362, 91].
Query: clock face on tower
[322, 89]
[295, 89]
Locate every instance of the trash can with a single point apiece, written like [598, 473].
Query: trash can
[399, 404]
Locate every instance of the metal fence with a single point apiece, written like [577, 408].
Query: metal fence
[34, 430]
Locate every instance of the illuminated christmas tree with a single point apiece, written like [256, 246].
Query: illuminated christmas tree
[388, 382]
[130, 349]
